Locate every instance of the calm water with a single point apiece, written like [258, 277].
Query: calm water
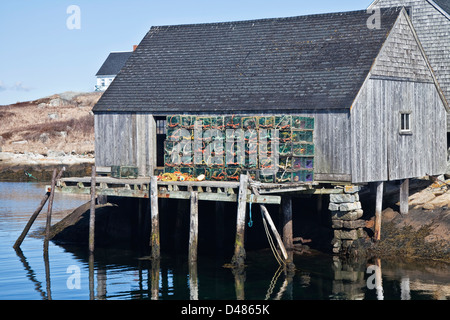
[126, 274]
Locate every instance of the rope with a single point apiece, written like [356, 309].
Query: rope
[250, 223]
[30, 175]
[273, 282]
[271, 243]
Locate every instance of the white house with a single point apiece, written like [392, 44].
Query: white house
[110, 68]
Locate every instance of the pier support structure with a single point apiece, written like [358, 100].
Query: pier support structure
[346, 213]
[239, 250]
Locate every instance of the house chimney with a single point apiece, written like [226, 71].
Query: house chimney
[134, 47]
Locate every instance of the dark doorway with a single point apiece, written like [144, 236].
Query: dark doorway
[160, 138]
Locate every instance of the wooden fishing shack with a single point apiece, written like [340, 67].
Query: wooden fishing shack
[375, 111]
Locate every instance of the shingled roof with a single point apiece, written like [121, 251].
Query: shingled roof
[113, 63]
[268, 65]
[444, 5]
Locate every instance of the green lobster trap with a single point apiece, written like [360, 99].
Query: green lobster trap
[283, 177]
[303, 176]
[283, 122]
[233, 122]
[266, 122]
[302, 149]
[127, 172]
[302, 136]
[285, 149]
[303, 163]
[305, 123]
[249, 123]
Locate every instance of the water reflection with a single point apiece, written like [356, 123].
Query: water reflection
[175, 278]
[127, 273]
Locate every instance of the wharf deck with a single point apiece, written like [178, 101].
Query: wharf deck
[227, 191]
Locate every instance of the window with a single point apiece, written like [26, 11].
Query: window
[160, 126]
[405, 122]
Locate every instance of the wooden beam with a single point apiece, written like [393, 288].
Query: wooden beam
[92, 213]
[193, 231]
[404, 194]
[239, 251]
[378, 210]
[203, 196]
[155, 239]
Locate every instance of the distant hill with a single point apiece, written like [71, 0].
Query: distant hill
[61, 122]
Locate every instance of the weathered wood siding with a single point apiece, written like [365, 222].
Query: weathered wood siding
[126, 139]
[379, 151]
[433, 29]
[332, 145]
[400, 81]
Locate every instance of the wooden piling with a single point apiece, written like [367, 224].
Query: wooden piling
[404, 194]
[49, 212]
[378, 210]
[239, 251]
[193, 232]
[193, 280]
[92, 212]
[154, 239]
[286, 205]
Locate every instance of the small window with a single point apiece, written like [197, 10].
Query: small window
[405, 122]
[160, 126]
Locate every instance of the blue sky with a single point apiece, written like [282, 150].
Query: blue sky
[41, 56]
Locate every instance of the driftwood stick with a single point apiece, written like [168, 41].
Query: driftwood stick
[31, 221]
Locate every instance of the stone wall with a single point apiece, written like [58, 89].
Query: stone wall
[346, 213]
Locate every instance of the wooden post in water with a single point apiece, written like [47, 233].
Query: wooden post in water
[286, 205]
[31, 221]
[193, 231]
[49, 212]
[154, 238]
[404, 194]
[378, 210]
[92, 213]
[239, 251]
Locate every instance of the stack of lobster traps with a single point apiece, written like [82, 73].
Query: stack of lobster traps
[274, 149]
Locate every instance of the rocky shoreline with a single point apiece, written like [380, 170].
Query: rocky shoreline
[28, 166]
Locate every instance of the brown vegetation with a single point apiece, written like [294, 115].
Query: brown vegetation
[60, 122]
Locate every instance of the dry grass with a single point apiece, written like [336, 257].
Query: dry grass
[38, 127]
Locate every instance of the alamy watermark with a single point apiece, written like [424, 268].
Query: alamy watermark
[74, 280]
[74, 20]
[374, 21]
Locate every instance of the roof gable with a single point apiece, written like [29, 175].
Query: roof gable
[113, 63]
[268, 65]
[444, 5]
